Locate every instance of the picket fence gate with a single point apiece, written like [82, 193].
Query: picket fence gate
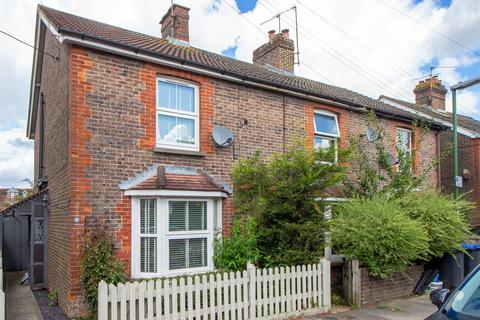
[252, 294]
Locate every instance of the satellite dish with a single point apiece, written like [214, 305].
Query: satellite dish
[391, 160]
[372, 135]
[222, 136]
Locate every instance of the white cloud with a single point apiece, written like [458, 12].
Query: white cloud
[214, 26]
[16, 158]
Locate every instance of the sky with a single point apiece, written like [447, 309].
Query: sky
[370, 46]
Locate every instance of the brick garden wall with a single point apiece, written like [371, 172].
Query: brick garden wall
[375, 290]
[111, 116]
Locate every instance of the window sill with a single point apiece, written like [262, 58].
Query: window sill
[179, 152]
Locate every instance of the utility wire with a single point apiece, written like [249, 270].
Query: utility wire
[428, 27]
[349, 62]
[372, 76]
[263, 33]
[241, 15]
[27, 44]
[360, 43]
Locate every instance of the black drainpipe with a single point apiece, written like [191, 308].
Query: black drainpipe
[41, 167]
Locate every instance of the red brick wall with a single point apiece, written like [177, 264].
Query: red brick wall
[468, 158]
[111, 108]
[375, 290]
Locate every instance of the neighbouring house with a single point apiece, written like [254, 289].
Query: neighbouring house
[123, 122]
[430, 102]
[8, 196]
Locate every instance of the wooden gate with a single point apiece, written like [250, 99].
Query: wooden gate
[16, 243]
[25, 238]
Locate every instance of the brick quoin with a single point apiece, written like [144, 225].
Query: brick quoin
[79, 160]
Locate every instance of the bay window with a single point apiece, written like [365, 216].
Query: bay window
[177, 115]
[172, 236]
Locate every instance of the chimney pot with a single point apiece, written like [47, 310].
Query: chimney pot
[271, 35]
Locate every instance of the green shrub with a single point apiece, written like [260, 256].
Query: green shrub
[443, 217]
[98, 262]
[377, 233]
[281, 194]
[234, 252]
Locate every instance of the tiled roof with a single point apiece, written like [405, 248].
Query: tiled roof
[160, 177]
[180, 182]
[26, 199]
[463, 121]
[82, 28]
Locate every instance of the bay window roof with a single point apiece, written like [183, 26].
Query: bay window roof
[160, 177]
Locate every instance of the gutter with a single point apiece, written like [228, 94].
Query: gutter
[84, 39]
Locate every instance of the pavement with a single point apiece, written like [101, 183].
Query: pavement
[20, 302]
[412, 308]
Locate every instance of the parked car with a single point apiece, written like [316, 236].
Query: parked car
[461, 304]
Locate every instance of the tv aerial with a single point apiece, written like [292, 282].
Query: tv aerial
[278, 16]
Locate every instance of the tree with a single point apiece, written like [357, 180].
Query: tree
[283, 195]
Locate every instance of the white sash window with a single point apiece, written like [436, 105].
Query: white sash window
[177, 114]
[326, 130]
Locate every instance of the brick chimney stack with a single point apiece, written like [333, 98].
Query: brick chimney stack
[430, 92]
[175, 24]
[278, 52]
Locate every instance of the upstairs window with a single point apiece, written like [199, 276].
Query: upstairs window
[177, 115]
[326, 130]
[404, 141]
[404, 149]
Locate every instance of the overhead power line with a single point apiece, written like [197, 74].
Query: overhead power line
[263, 33]
[360, 43]
[428, 27]
[339, 56]
[27, 44]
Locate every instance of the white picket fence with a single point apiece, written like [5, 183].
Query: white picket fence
[252, 294]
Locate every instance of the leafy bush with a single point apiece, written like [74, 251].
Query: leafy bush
[98, 262]
[282, 194]
[443, 217]
[377, 233]
[234, 252]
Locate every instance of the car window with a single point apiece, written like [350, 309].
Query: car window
[465, 304]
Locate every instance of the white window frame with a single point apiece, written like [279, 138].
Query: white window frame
[179, 113]
[214, 223]
[409, 151]
[325, 135]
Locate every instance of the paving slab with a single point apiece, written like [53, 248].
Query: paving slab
[20, 302]
[412, 308]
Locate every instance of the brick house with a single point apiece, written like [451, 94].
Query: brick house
[123, 123]
[430, 102]
[8, 196]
